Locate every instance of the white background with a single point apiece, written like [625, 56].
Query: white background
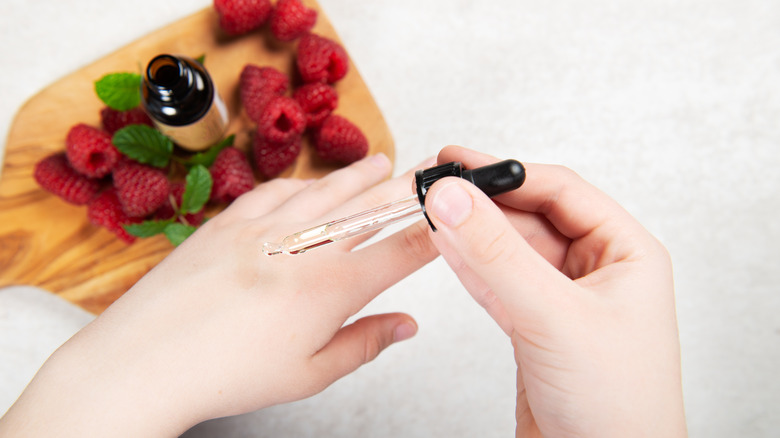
[671, 107]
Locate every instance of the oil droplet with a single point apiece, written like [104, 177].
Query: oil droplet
[272, 248]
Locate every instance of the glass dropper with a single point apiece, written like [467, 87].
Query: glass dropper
[340, 229]
[493, 179]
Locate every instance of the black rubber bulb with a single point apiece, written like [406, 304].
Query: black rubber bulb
[493, 179]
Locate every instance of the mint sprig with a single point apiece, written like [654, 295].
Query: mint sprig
[148, 228]
[144, 144]
[178, 232]
[148, 145]
[197, 190]
[120, 91]
[207, 157]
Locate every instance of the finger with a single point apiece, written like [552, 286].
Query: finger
[361, 342]
[477, 288]
[570, 203]
[265, 197]
[336, 188]
[540, 234]
[475, 229]
[373, 269]
[470, 158]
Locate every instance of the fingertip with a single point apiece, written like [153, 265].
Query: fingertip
[379, 160]
[405, 330]
[449, 204]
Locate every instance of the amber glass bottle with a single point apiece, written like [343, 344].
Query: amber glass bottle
[180, 97]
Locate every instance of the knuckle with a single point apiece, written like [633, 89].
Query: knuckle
[416, 240]
[485, 297]
[564, 172]
[373, 345]
[495, 249]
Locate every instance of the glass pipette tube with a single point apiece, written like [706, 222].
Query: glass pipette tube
[360, 223]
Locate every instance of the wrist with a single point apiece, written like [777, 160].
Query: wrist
[88, 388]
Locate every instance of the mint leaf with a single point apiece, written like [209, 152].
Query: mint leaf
[178, 232]
[197, 189]
[144, 144]
[120, 91]
[207, 157]
[147, 228]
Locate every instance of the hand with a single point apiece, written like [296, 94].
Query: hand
[584, 292]
[218, 328]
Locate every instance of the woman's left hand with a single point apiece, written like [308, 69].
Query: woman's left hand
[218, 328]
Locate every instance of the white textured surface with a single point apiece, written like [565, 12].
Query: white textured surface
[672, 107]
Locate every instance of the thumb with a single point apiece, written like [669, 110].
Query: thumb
[361, 342]
[477, 239]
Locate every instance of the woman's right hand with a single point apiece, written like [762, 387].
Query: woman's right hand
[583, 290]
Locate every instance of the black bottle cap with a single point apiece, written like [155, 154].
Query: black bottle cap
[493, 179]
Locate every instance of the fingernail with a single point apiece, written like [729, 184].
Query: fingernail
[404, 331]
[452, 205]
[379, 160]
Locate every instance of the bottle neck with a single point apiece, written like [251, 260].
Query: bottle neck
[176, 90]
[170, 78]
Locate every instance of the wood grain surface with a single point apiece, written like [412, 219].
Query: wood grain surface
[48, 243]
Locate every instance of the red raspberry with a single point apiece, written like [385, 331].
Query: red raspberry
[291, 19]
[237, 17]
[321, 59]
[106, 211]
[340, 140]
[282, 121]
[55, 174]
[141, 189]
[114, 120]
[258, 85]
[167, 211]
[90, 151]
[317, 100]
[271, 159]
[231, 175]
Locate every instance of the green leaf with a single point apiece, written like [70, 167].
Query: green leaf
[201, 58]
[197, 189]
[120, 91]
[178, 232]
[144, 144]
[147, 228]
[207, 157]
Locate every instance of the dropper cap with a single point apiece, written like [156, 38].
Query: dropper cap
[493, 179]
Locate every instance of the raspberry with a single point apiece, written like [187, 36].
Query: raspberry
[281, 121]
[290, 19]
[141, 189]
[317, 100]
[106, 211]
[271, 159]
[321, 59]
[55, 174]
[167, 211]
[237, 17]
[340, 140]
[231, 175]
[114, 120]
[258, 85]
[90, 151]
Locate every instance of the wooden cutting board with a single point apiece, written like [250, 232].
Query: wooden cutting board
[50, 244]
